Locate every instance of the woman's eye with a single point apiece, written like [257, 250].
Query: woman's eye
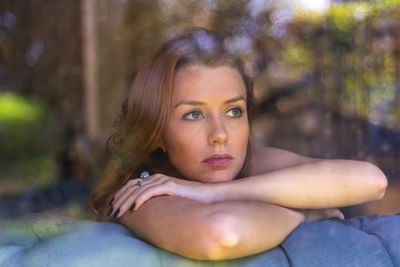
[234, 112]
[193, 115]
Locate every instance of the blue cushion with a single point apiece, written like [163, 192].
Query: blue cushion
[360, 241]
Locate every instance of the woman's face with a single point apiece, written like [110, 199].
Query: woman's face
[207, 132]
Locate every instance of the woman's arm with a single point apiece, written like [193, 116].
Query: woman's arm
[289, 180]
[223, 230]
[220, 230]
[278, 177]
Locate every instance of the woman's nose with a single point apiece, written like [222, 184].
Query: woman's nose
[218, 133]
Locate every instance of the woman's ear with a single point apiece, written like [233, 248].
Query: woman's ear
[162, 146]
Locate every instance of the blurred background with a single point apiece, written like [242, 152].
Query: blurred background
[327, 85]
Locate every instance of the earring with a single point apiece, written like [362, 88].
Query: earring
[162, 147]
[160, 150]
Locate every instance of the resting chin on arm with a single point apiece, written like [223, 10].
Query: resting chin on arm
[223, 230]
[242, 217]
[293, 181]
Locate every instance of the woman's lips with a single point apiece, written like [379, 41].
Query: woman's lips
[218, 160]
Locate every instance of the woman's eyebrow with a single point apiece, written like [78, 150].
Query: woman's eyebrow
[235, 99]
[199, 103]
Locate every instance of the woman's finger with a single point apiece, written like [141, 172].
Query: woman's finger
[127, 190]
[128, 184]
[122, 198]
[126, 196]
[131, 199]
[134, 182]
[163, 188]
[115, 207]
[335, 213]
[340, 215]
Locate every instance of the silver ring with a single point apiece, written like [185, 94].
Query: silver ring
[139, 183]
[145, 175]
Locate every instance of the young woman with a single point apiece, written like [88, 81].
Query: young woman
[187, 122]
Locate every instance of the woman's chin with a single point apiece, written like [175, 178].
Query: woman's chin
[215, 177]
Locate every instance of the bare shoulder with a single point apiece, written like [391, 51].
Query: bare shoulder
[269, 159]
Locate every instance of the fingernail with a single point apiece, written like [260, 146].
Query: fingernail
[111, 201]
[116, 213]
[110, 211]
[132, 207]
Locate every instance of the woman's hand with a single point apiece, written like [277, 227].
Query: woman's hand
[137, 191]
[321, 214]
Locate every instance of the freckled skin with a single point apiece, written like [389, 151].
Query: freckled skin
[202, 122]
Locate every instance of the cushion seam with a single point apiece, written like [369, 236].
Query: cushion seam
[286, 255]
[384, 245]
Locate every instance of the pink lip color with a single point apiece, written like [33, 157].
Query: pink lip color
[218, 161]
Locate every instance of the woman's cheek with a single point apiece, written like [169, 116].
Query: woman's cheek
[182, 149]
[240, 132]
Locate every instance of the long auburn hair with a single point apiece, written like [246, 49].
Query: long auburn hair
[145, 112]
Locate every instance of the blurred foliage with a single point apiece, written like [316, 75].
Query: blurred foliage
[351, 52]
[355, 49]
[344, 61]
[40, 61]
[29, 139]
[26, 129]
[40, 54]
[15, 108]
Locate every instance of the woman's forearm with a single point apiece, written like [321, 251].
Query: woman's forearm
[250, 227]
[215, 231]
[318, 184]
